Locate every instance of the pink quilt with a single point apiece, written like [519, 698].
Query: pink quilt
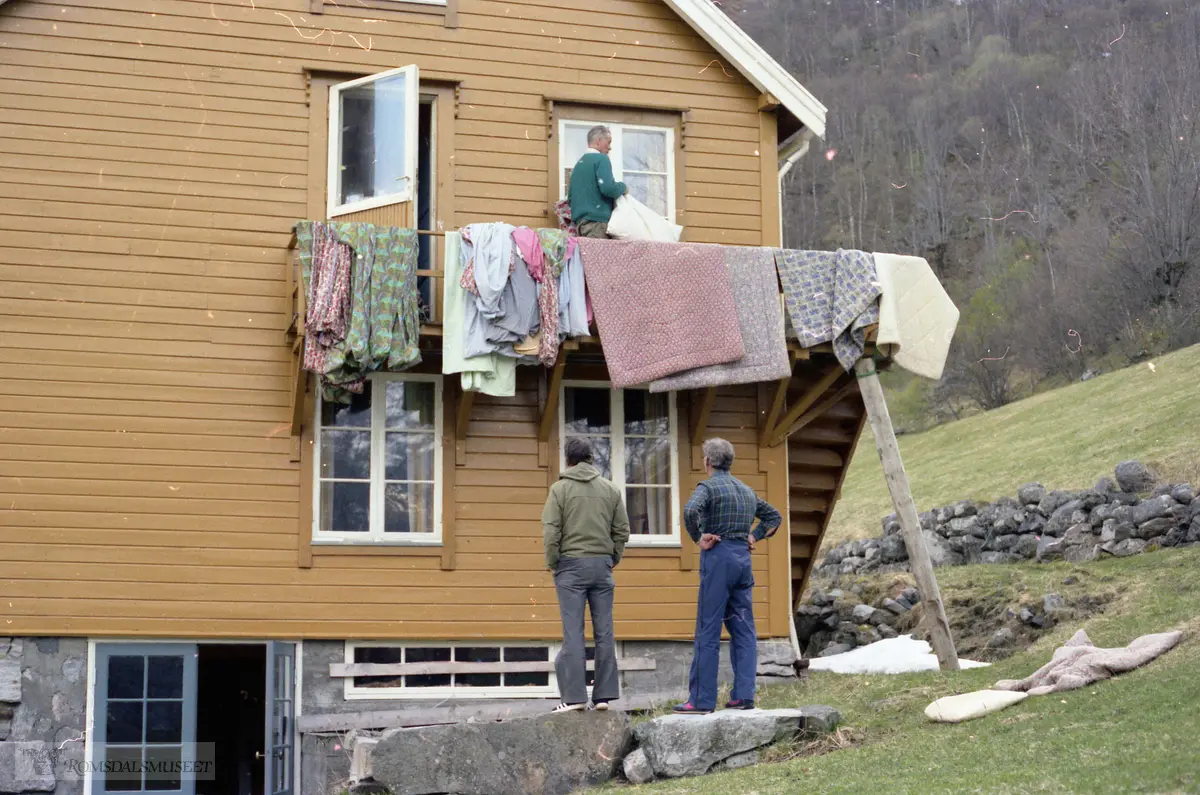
[661, 308]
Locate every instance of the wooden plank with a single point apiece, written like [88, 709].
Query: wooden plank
[701, 404]
[897, 482]
[810, 396]
[768, 157]
[451, 389]
[462, 424]
[341, 670]
[822, 407]
[549, 415]
[773, 461]
[459, 713]
[771, 417]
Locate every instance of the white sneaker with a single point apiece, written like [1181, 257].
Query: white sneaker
[565, 707]
[601, 706]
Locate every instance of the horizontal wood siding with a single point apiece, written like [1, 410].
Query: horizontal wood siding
[153, 157]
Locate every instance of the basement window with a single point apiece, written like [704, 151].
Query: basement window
[373, 141]
[440, 684]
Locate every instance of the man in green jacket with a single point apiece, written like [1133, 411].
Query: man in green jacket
[593, 189]
[584, 529]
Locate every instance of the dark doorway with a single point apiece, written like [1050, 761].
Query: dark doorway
[425, 199]
[231, 694]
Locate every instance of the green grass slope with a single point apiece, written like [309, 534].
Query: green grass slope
[1134, 733]
[1067, 438]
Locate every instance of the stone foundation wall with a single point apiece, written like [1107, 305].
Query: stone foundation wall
[43, 702]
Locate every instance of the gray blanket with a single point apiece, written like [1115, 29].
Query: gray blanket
[1078, 663]
[760, 318]
[831, 296]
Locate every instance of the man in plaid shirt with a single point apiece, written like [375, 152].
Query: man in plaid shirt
[719, 517]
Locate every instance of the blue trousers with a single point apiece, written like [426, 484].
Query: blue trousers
[726, 589]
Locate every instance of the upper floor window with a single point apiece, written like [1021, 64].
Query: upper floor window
[642, 157]
[378, 463]
[373, 141]
[633, 434]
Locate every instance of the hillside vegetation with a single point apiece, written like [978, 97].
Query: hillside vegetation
[1043, 156]
[1065, 438]
[1134, 733]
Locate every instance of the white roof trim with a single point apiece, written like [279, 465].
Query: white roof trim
[752, 60]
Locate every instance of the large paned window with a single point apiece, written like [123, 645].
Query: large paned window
[642, 157]
[633, 434]
[379, 461]
[373, 141]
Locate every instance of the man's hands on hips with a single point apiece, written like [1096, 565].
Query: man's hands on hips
[751, 542]
[709, 540]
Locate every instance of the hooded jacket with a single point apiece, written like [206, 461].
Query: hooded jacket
[584, 517]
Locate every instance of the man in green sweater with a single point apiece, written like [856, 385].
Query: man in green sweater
[593, 189]
[584, 529]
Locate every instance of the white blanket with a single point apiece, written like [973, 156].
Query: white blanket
[916, 317]
[491, 374]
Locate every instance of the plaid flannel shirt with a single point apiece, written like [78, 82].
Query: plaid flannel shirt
[727, 507]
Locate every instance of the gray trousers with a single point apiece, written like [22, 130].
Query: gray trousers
[579, 581]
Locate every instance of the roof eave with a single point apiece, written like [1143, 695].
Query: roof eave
[763, 71]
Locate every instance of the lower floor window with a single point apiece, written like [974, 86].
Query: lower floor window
[378, 460]
[633, 436]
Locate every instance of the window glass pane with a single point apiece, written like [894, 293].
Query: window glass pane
[481, 654]
[165, 778]
[644, 150]
[649, 510]
[647, 413]
[526, 654]
[650, 190]
[410, 456]
[431, 654]
[373, 145]
[648, 461]
[126, 677]
[378, 654]
[408, 508]
[164, 721]
[166, 677]
[410, 404]
[345, 507]
[527, 680]
[346, 454]
[355, 415]
[574, 146]
[588, 411]
[477, 654]
[124, 722]
[122, 769]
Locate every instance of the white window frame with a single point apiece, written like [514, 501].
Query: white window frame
[411, 100]
[618, 134]
[352, 692]
[617, 418]
[376, 536]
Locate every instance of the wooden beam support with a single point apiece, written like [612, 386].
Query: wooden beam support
[550, 406]
[462, 424]
[700, 410]
[819, 409]
[805, 402]
[897, 483]
[342, 670]
[777, 403]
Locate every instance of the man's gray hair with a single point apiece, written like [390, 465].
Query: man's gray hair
[719, 454]
[598, 132]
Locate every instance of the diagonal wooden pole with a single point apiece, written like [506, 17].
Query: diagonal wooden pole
[897, 483]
